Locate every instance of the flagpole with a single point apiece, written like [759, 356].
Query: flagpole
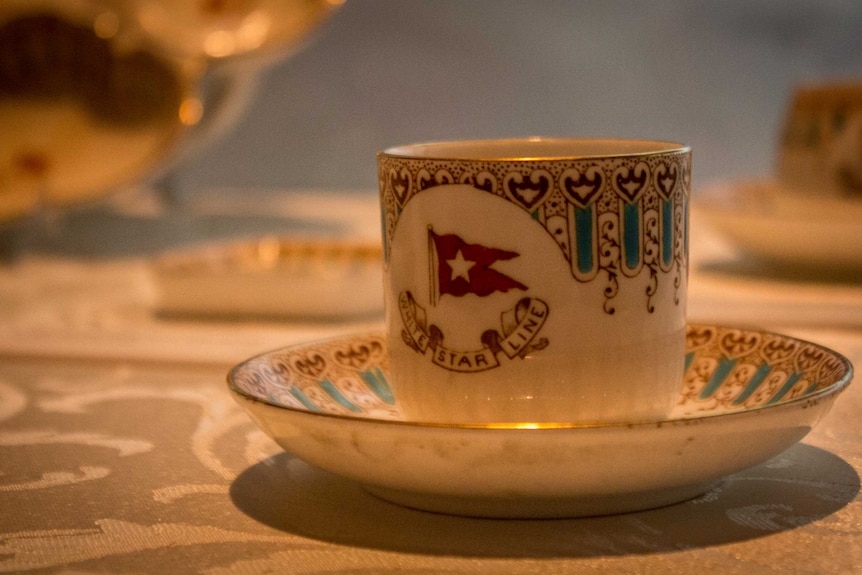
[432, 275]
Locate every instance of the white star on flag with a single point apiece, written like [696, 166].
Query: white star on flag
[460, 267]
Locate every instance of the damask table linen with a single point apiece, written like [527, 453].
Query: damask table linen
[122, 452]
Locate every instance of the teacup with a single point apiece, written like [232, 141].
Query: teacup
[820, 153]
[535, 280]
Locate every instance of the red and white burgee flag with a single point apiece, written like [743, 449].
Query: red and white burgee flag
[459, 268]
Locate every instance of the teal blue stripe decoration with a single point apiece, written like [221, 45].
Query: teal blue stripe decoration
[338, 397]
[631, 234]
[788, 385]
[295, 392]
[667, 231]
[725, 366]
[584, 237]
[685, 231]
[753, 383]
[378, 384]
[811, 388]
[689, 357]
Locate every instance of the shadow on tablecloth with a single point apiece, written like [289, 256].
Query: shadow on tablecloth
[801, 486]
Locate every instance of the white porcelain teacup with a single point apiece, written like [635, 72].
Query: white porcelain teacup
[536, 280]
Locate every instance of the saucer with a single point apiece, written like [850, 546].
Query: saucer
[767, 222]
[746, 397]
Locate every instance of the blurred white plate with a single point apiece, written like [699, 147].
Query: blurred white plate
[313, 278]
[766, 223]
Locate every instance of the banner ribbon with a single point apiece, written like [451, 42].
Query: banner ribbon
[520, 326]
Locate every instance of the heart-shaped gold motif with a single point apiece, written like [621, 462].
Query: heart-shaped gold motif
[531, 191]
[736, 344]
[311, 365]
[665, 179]
[400, 183]
[778, 350]
[360, 356]
[697, 336]
[484, 181]
[425, 180]
[582, 187]
[809, 357]
[630, 182]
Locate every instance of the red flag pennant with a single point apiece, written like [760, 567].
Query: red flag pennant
[463, 268]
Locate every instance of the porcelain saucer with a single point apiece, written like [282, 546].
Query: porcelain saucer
[747, 396]
[766, 221]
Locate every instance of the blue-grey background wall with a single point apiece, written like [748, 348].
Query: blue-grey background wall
[716, 75]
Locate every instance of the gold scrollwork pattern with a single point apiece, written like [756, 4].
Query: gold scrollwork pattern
[732, 369]
[344, 378]
[612, 219]
[727, 370]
